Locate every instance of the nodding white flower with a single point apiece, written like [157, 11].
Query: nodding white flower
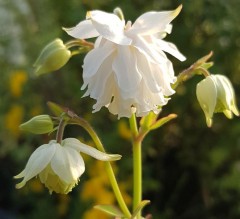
[128, 67]
[60, 166]
[215, 94]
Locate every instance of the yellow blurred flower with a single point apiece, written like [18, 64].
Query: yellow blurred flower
[36, 110]
[96, 190]
[63, 204]
[16, 82]
[36, 186]
[124, 130]
[13, 119]
[94, 213]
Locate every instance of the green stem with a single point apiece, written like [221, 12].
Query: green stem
[137, 165]
[60, 131]
[78, 43]
[111, 175]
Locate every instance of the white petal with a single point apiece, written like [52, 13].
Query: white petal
[153, 22]
[79, 146]
[207, 97]
[125, 68]
[168, 28]
[72, 143]
[67, 163]
[107, 94]
[94, 59]
[98, 41]
[149, 50]
[166, 77]
[145, 70]
[99, 82]
[109, 26]
[39, 159]
[171, 49]
[226, 94]
[121, 107]
[82, 30]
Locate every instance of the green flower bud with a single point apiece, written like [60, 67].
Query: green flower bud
[53, 56]
[38, 125]
[216, 94]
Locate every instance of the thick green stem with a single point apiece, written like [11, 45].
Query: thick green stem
[111, 175]
[137, 165]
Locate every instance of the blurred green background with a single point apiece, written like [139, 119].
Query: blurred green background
[190, 171]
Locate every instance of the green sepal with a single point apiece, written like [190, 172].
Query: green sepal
[56, 109]
[141, 205]
[162, 121]
[147, 121]
[202, 60]
[61, 111]
[197, 68]
[110, 210]
[207, 65]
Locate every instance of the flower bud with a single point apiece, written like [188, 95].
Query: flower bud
[38, 125]
[215, 94]
[53, 56]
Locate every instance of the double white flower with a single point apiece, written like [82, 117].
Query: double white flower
[60, 166]
[128, 67]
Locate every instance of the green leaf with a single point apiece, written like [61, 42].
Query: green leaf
[162, 121]
[140, 207]
[110, 209]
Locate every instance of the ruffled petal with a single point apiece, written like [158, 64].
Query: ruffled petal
[121, 106]
[109, 26]
[39, 159]
[165, 77]
[125, 68]
[153, 22]
[148, 75]
[83, 30]
[99, 82]
[108, 93]
[94, 59]
[171, 49]
[68, 164]
[146, 46]
[79, 146]
[149, 101]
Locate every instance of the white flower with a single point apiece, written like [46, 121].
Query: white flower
[216, 94]
[128, 67]
[60, 166]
